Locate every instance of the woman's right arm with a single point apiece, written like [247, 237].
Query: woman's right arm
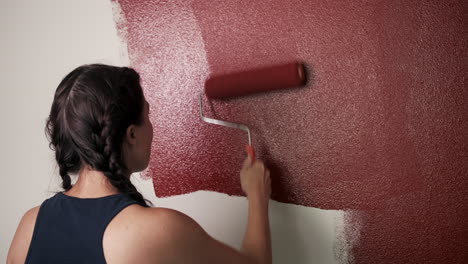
[255, 181]
[187, 242]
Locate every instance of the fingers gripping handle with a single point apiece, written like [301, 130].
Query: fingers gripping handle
[251, 152]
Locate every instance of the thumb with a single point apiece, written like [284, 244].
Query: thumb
[247, 162]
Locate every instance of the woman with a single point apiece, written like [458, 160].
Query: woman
[99, 128]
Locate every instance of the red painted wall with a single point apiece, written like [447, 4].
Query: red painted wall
[382, 127]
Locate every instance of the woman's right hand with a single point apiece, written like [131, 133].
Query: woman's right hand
[255, 179]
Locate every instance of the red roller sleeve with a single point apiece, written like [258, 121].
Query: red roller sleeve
[256, 80]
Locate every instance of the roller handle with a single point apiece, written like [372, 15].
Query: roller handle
[251, 152]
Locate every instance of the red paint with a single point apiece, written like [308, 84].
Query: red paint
[382, 127]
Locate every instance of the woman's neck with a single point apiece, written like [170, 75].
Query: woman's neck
[91, 184]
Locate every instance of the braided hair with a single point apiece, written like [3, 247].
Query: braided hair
[92, 108]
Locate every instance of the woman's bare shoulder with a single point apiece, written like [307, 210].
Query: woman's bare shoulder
[159, 222]
[148, 215]
[162, 235]
[139, 234]
[23, 235]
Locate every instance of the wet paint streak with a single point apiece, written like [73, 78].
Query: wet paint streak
[381, 128]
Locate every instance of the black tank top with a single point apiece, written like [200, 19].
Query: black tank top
[70, 230]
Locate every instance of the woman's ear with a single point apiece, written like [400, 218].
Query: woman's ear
[130, 136]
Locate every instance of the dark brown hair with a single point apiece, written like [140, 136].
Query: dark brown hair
[92, 109]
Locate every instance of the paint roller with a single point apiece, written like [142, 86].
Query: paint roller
[250, 82]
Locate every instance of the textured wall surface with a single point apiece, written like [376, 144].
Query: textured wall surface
[381, 127]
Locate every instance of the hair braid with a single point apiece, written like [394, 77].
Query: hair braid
[67, 158]
[116, 171]
[65, 163]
